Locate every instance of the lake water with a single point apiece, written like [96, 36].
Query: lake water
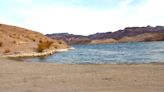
[120, 53]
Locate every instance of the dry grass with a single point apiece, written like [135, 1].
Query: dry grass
[44, 45]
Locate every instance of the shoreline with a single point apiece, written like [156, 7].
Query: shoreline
[52, 77]
[37, 54]
[16, 59]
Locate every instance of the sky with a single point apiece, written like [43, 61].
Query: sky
[81, 16]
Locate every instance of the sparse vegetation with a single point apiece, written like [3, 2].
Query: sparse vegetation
[14, 42]
[1, 44]
[40, 41]
[60, 42]
[7, 51]
[55, 47]
[44, 45]
[33, 40]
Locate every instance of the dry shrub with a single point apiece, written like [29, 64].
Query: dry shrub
[60, 42]
[56, 47]
[14, 42]
[7, 51]
[33, 40]
[1, 44]
[44, 45]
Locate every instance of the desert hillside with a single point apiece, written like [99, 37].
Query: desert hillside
[16, 40]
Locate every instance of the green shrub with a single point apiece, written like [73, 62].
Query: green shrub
[44, 45]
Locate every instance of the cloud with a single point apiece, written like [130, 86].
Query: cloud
[81, 17]
[64, 19]
[151, 13]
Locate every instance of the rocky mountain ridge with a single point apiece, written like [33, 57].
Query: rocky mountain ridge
[129, 34]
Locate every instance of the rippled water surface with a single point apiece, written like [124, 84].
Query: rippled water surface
[141, 52]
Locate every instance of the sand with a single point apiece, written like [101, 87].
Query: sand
[50, 77]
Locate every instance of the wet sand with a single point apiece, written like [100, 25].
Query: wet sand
[50, 77]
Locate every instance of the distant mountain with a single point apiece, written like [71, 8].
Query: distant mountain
[70, 38]
[100, 35]
[133, 31]
[146, 37]
[16, 40]
[129, 34]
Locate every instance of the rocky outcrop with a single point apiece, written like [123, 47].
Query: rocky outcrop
[129, 34]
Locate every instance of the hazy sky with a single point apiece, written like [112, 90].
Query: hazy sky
[81, 16]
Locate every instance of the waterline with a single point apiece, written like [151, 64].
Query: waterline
[120, 53]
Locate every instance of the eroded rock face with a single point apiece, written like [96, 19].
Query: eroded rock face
[70, 38]
[129, 34]
[100, 36]
[133, 31]
[15, 40]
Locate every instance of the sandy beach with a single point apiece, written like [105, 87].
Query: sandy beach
[50, 77]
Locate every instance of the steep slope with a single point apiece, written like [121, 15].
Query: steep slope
[16, 40]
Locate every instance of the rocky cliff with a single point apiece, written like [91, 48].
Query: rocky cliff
[129, 34]
[70, 38]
